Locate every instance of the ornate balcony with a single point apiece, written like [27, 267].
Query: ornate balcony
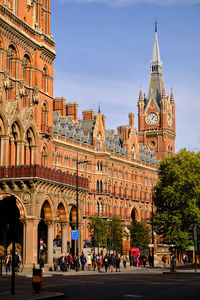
[39, 172]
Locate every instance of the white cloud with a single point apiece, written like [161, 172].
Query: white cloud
[132, 2]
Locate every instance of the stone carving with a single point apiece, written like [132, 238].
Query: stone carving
[26, 198]
[35, 97]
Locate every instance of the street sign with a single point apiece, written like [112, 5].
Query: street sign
[151, 245]
[75, 234]
[41, 242]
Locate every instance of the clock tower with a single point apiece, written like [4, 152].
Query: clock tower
[156, 112]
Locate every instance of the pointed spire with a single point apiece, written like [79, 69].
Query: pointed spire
[163, 93]
[140, 94]
[172, 96]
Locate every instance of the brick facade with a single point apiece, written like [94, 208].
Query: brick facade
[41, 139]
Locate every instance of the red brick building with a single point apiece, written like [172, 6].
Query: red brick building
[41, 139]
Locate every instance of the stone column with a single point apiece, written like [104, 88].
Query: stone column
[64, 237]
[30, 243]
[4, 150]
[50, 225]
[20, 153]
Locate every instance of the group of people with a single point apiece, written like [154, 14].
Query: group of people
[93, 261]
[9, 262]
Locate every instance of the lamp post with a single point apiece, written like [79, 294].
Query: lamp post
[77, 206]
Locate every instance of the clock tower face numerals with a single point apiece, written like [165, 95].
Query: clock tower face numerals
[152, 119]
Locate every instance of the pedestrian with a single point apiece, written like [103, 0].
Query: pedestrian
[132, 260]
[138, 261]
[62, 262]
[164, 260]
[150, 260]
[76, 263]
[117, 262]
[16, 262]
[144, 261]
[173, 263]
[83, 261]
[99, 263]
[8, 263]
[106, 262]
[70, 260]
[94, 261]
[112, 262]
[124, 261]
[89, 261]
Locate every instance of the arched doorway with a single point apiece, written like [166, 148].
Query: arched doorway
[133, 215]
[10, 225]
[44, 233]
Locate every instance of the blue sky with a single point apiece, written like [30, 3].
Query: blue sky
[104, 48]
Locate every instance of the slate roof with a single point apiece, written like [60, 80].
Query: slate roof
[83, 132]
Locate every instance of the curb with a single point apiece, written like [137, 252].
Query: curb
[32, 296]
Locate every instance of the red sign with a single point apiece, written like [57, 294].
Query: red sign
[41, 242]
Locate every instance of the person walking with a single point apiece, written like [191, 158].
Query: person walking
[99, 263]
[62, 262]
[117, 262]
[94, 261]
[124, 261]
[70, 261]
[144, 260]
[164, 260]
[132, 260]
[112, 262]
[89, 261]
[138, 261]
[8, 263]
[106, 262]
[83, 261]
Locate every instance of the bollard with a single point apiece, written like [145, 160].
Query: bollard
[37, 279]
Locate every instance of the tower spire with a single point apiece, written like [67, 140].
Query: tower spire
[156, 83]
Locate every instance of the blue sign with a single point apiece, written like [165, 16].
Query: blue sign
[75, 234]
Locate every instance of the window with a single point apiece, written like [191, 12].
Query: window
[44, 117]
[45, 79]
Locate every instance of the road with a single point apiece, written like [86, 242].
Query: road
[117, 286]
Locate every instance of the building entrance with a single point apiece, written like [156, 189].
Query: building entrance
[10, 225]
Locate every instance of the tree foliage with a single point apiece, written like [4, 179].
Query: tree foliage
[177, 197]
[101, 229]
[116, 232]
[98, 228]
[140, 234]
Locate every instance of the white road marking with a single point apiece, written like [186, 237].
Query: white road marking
[133, 296]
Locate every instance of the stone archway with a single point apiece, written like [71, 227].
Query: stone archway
[46, 233]
[11, 214]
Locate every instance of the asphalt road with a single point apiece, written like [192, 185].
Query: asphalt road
[117, 286]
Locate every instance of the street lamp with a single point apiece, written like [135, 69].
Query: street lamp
[77, 205]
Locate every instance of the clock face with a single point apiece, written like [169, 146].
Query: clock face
[152, 118]
[169, 120]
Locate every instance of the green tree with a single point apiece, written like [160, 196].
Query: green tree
[116, 232]
[140, 234]
[98, 228]
[177, 197]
